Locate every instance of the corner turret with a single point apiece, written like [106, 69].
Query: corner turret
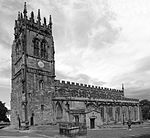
[39, 18]
[25, 11]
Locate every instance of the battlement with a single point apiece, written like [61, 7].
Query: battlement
[31, 23]
[72, 89]
[85, 86]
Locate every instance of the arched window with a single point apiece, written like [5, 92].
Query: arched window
[102, 112]
[117, 114]
[41, 85]
[42, 107]
[43, 49]
[59, 111]
[110, 113]
[36, 47]
[76, 119]
[17, 49]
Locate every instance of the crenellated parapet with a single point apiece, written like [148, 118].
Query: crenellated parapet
[33, 24]
[85, 86]
[72, 89]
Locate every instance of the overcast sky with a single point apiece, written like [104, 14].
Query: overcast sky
[98, 42]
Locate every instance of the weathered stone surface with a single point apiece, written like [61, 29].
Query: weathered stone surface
[31, 96]
[38, 98]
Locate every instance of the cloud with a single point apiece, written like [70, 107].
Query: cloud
[140, 94]
[96, 42]
[5, 95]
[79, 24]
[136, 81]
[143, 64]
[8, 13]
[5, 72]
[79, 78]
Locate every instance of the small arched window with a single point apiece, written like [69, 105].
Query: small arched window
[41, 85]
[36, 46]
[43, 49]
[42, 107]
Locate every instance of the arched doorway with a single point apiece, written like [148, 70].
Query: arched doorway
[92, 123]
[32, 120]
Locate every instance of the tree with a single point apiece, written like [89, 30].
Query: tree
[145, 107]
[3, 112]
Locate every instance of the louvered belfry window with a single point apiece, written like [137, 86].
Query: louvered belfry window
[36, 47]
[43, 49]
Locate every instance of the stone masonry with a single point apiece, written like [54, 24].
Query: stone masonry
[38, 98]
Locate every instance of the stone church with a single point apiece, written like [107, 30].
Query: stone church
[38, 98]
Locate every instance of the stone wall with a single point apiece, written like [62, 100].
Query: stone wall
[16, 101]
[36, 86]
[71, 89]
[40, 104]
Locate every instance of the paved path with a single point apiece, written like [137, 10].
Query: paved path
[118, 133]
[52, 132]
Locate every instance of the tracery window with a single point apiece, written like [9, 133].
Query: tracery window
[110, 113]
[59, 111]
[43, 49]
[117, 114]
[135, 113]
[102, 112]
[36, 47]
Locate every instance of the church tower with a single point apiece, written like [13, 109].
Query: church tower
[33, 70]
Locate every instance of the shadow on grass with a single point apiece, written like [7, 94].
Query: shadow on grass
[141, 136]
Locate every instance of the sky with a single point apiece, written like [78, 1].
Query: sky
[98, 42]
